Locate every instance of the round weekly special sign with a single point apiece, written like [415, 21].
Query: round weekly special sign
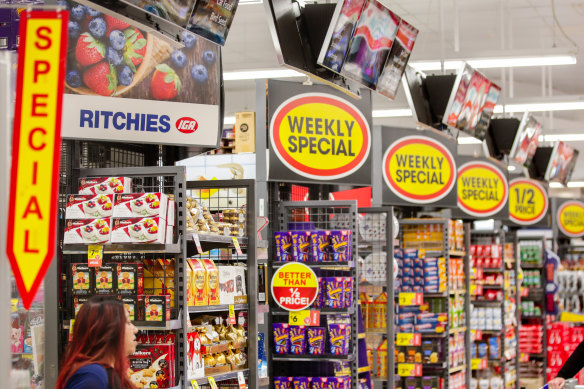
[482, 189]
[419, 169]
[294, 286]
[528, 201]
[320, 136]
[571, 219]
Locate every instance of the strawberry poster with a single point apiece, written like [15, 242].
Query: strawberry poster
[126, 84]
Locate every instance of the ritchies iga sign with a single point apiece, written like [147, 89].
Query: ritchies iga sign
[320, 136]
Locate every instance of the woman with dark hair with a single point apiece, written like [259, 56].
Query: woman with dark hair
[97, 357]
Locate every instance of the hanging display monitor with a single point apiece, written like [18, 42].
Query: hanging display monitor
[126, 84]
[316, 134]
[209, 19]
[415, 91]
[418, 168]
[526, 140]
[472, 102]
[561, 163]
[569, 216]
[482, 189]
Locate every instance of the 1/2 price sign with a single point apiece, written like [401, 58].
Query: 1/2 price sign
[294, 286]
[528, 201]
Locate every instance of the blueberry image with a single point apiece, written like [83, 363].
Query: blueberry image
[62, 3]
[199, 73]
[189, 39]
[73, 79]
[74, 29]
[77, 12]
[97, 27]
[114, 56]
[179, 59]
[91, 12]
[209, 57]
[152, 10]
[117, 39]
[125, 76]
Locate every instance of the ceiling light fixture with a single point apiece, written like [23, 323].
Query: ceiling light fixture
[229, 120]
[248, 2]
[492, 63]
[511, 168]
[391, 113]
[562, 137]
[468, 140]
[556, 185]
[576, 184]
[261, 73]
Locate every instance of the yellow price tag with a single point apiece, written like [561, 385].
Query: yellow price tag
[94, 255]
[406, 299]
[212, 382]
[476, 363]
[13, 305]
[237, 246]
[71, 323]
[194, 384]
[231, 318]
[409, 369]
[406, 339]
[298, 318]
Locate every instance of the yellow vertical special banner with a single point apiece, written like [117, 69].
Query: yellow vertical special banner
[36, 147]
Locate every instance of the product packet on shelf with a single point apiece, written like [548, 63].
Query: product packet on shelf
[199, 282]
[88, 206]
[283, 246]
[154, 308]
[283, 383]
[297, 340]
[315, 337]
[130, 278]
[133, 205]
[131, 304]
[152, 366]
[78, 301]
[231, 283]
[301, 246]
[321, 383]
[339, 338]
[281, 338]
[341, 245]
[105, 279]
[301, 382]
[211, 281]
[105, 185]
[81, 278]
[320, 246]
[348, 295]
[164, 272]
[139, 230]
[335, 292]
[88, 231]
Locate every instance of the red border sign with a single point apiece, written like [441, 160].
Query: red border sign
[36, 148]
[294, 286]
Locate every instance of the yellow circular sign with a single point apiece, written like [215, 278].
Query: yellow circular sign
[320, 136]
[528, 201]
[294, 286]
[570, 219]
[419, 169]
[482, 189]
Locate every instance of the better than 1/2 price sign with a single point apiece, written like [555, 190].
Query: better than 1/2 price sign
[294, 286]
[528, 201]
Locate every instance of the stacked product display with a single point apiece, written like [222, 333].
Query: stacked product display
[326, 350]
[194, 306]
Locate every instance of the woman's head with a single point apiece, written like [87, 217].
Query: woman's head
[102, 333]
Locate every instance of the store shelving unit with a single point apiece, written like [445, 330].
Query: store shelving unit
[507, 360]
[318, 215]
[536, 264]
[444, 370]
[171, 180]
[376, 239]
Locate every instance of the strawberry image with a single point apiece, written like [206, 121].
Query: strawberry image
[114, 24]
[135, 48]
[89, 50]
[107, 207]
[153, 230]
[148, 223]
[101, 78]
[165, 83]
[104, 231]
[114, 182]
[101, 200]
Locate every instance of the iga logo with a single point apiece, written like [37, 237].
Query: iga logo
[187, 125]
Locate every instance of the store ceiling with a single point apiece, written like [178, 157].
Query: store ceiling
[499, 27]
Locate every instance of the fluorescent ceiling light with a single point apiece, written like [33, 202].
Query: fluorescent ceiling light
[556, 185]
[544, 107]
[511, 168]
[392, 113]
[576, 184]
[562, 137]
[243, 2]
[261, 73]
[503, 62]
[229, 120]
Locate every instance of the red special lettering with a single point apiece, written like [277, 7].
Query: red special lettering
[40, 67]
[43, 34]
[27, 249]
[294, 300]
[31, 143]
[37, 103]
[33, 208]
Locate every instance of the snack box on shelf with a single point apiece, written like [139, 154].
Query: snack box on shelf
[81, 279]
[140, 230]
[105, 279]
[89, 206]
[105, 185]
[231, 283]
[154, 308]
[132, 205]
[130, 278]
[152, 366]
[88, 231]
